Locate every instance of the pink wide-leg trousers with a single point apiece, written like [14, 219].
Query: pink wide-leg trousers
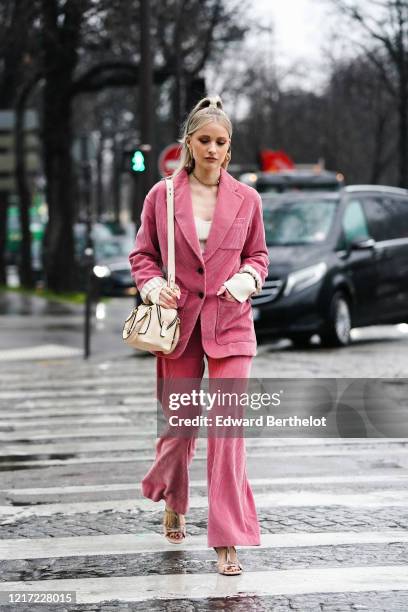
[232, 516]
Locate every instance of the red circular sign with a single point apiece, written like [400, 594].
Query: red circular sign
[169, 159]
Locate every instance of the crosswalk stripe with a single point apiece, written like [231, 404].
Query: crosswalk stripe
[17, 417]
[63, 448]
[29, 384]
[44, 351]
[88, 420]
[352, 479]
[73, 392]
[84, 420]
[49, 408]
[75, 402]
[197, 586]
[38, 431]
[83, 432]
[370, 499]
[138, 543]
[24, 375]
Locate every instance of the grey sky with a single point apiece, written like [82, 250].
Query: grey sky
[299, 26]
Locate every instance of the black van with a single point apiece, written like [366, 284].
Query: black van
[337, 261]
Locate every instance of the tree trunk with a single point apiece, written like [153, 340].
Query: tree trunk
[3, 235]
[403, 134]
[377, 163]
[117, 169]
[59, 261]
[24, 195]
[99, 204]
[195, 90]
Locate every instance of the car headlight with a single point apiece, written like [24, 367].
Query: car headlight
[306, 277]
[101, 271]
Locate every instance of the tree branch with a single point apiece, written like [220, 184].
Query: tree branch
[124, 74]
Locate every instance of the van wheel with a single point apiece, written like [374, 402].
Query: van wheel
[338, 325]
[301, 340]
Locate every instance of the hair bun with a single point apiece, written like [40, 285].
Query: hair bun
[214, 101]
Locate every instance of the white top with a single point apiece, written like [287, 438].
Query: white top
[203, 230]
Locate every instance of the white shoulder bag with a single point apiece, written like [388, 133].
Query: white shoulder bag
[151, 327]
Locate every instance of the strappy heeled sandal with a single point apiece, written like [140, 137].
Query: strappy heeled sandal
[226, 568]
[170, 518]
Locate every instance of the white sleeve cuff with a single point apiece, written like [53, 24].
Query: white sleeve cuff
[154, 295]
[241, 286]
[255, 275]
[153, 283]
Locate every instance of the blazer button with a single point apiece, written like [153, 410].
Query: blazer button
[200, 294]
[200, 270]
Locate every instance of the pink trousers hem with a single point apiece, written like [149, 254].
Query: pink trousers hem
[156, 494]
[239, 543]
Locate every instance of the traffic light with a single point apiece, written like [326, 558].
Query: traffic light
[137, 161]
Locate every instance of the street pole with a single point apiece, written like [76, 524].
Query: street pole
[146, 93]
[147, 110]
[89, 246]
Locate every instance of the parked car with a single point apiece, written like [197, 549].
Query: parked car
[111, 270]
[337, 261]
[293, 180]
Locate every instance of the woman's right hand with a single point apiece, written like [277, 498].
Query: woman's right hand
[167, 296]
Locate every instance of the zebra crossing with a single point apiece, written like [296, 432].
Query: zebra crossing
[77, 438]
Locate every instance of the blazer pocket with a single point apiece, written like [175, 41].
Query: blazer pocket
[235, 236]
[234, 322]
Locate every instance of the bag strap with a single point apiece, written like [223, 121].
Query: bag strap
[171, 263]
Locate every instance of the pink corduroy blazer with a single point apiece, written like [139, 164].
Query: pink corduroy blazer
[237, 237]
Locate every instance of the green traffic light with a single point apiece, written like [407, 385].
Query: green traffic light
[138, 162]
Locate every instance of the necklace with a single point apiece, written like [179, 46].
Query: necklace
[207, 184]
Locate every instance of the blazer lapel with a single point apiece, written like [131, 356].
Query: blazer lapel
[226, 209]
[183, 212]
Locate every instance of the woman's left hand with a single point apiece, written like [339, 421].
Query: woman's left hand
[227, 294]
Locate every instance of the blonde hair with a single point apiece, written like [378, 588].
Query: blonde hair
[205, 111]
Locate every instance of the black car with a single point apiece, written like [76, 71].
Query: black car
[111, 270]
[337, 261]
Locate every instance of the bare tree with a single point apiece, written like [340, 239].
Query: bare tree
[189, 35]
[384, 25]
[359, 122]
[71, 33]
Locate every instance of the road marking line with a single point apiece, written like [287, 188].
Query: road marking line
[138, 543]
[198, 586]
[256, 482]
[73, 393]
[48, 434]
[370, 499]
[63, 421]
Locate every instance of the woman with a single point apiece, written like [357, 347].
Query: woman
[221, 261]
